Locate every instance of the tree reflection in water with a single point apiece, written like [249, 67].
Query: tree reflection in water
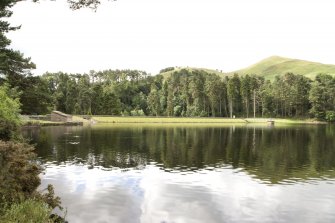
[272, 155]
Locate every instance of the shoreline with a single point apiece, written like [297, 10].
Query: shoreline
[38, 123]
[198, 120]
[78, 121]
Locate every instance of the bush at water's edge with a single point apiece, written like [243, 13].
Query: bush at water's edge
[19, 179]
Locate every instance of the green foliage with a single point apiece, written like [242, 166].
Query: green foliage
[154, 100]
[234, 94]
[166, 70]
[19, 178]
[99, 93]
[190, 93]
[111, 104]
[36, 98]
[78, 4]
[18, 172]
[193, 70]
[9, 114]
[50, 198]
[322, 96]
[15, 69]
[177, 110]
[214, 93]
[266, 99]
[290, 94]
[29, 211]
[136, 112]
[18, 175]
[330, 116]
[12, 63]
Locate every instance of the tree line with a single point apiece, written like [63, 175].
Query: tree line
[184, 93]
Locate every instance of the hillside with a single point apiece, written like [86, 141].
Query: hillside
[275, 65]
[270, 67]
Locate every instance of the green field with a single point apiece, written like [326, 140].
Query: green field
[275, 65]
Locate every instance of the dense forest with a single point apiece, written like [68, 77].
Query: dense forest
[186, 93]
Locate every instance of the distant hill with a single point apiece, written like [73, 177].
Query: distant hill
[270, 67]
[275, 65]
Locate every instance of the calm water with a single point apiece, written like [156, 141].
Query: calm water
[154, 173]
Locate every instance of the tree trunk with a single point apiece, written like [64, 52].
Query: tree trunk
[231, 108]
[220, 109]
[254, 103]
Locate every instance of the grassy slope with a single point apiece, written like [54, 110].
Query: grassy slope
[272, 66]
[275, 65]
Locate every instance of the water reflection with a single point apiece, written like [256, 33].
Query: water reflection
[272, 155]
[121, 173]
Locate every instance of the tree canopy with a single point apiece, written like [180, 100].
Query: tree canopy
[78, 4]
[188, 93]
[9, 114]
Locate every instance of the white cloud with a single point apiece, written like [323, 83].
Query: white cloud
[153, 34]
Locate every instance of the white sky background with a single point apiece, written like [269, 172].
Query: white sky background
[153, 34]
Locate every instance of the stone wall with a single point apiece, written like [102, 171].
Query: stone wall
[57, 116]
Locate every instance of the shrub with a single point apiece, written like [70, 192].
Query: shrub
[9, 115]
[19, 178]
[330, 116]
[136, 112]
[28, 211]
[18, 175]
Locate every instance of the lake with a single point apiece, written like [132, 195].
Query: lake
[190, 173]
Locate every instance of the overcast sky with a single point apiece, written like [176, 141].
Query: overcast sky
[153, 34]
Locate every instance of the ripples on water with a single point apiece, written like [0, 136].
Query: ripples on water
[191, 174]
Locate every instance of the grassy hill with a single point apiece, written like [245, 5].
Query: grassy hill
[270, 67]
[275, 65]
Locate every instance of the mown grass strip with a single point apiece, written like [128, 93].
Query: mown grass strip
[112, 119]
[164, 120]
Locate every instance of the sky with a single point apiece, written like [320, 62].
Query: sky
[151, 35]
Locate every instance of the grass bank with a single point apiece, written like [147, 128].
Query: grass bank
[284, 121]
[36, 123]
[41, 123]
[111, 119]
[133, 119]
[76, 120]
